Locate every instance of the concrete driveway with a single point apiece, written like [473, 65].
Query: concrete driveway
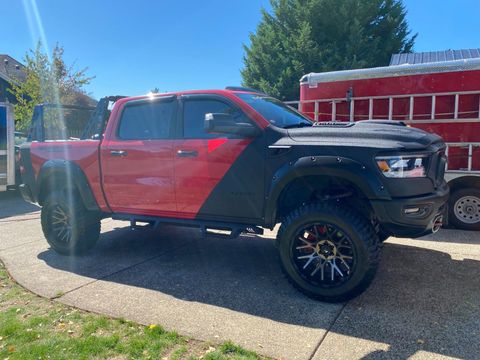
[424, 302]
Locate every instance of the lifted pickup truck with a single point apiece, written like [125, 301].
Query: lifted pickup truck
[238, 161]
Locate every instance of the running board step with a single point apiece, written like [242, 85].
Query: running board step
[145, 225]
[210, 228]
[230, 233]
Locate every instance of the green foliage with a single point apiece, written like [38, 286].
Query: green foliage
[302, 36]
[48, 80]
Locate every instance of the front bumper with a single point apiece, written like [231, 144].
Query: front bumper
[395, 219]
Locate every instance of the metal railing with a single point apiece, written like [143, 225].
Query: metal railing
[470, 156]
[410, 116]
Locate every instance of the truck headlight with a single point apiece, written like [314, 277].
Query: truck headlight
[402, 166]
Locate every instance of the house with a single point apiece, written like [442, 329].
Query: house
[10, 71]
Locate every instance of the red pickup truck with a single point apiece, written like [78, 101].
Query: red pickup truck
[238, 161]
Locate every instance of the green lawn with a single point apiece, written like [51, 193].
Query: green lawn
[35, 328]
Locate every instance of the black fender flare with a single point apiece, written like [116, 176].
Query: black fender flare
[64, 169]
[360, 175]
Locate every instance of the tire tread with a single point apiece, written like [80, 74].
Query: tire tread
[366, 233]
[87, 223]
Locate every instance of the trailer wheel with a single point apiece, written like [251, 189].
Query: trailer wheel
[464, 209]
[328, 252]
[69, 228]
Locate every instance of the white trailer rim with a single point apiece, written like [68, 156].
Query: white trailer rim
[467, 209]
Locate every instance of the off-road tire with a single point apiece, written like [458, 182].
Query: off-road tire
[85, 225]
[455, 200]
[354, 225]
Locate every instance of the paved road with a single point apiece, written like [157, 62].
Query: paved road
[424, 303]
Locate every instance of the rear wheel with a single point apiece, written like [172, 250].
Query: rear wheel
[68, 227]
[464, 209]
[328, 252]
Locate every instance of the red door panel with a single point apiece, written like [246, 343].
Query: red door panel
[198, 173]
[141, 181]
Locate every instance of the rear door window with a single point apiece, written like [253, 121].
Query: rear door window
[147, 120]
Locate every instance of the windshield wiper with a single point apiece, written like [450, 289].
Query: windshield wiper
[299, 125]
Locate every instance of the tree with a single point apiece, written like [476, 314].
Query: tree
[47, 81]
[302, 36]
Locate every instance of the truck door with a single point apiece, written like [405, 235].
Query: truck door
[137, 159]
[217, 176]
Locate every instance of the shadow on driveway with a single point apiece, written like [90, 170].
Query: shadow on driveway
[241, 274]
[12, 204]
[420, 300]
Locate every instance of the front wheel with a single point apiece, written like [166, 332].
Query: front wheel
[464, 209]
[328, 251]
[69, 228]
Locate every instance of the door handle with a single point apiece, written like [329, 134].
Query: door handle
[118, 153]
[187, 153]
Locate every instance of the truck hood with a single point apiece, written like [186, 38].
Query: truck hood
[369, 133]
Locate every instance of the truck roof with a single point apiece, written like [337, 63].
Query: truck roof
[391, 71]
[226, 92]
[230, 93]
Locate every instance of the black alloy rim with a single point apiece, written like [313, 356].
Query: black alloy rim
[61, 224]
[323, 254]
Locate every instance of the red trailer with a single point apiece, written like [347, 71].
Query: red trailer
[442, 97]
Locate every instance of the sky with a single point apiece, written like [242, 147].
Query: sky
[132, 47]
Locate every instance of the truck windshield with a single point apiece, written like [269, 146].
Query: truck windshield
[276, 112]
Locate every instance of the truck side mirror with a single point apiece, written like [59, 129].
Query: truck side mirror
[226, 124]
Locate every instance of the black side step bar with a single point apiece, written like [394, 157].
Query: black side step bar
[216, 229]
[230, 233]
